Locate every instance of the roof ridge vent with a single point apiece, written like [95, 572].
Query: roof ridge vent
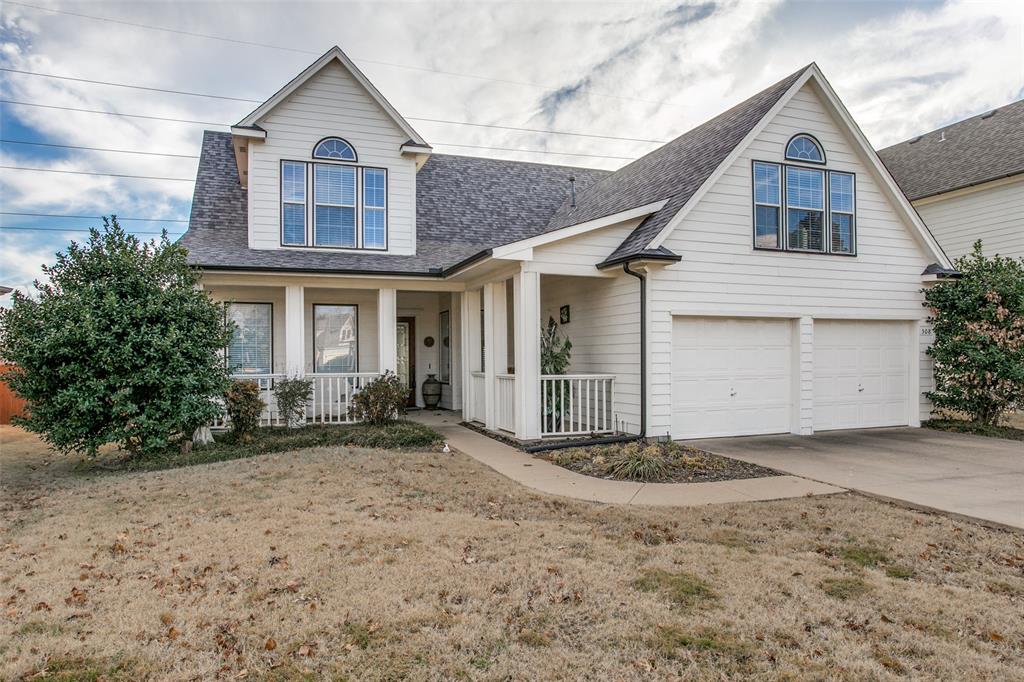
[916, 139]
[989, 114]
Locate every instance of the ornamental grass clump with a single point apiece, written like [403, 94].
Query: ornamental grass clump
[638, 461]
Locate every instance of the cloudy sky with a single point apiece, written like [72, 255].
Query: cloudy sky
[627, 70]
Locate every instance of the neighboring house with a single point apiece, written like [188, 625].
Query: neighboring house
[967, 181]
[761, 273]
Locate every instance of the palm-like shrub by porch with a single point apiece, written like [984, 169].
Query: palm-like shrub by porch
[555, 356]
[381, 400]
[979, 338]
[119, 346]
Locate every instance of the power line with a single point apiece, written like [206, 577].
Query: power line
[411, 118]
[531, 151]
[312, 52]
[132, 87]
[77, 229]
[94, 217]
[98, 149]
[113, 113]
[112, 175]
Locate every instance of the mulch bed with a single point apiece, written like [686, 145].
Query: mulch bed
[682, 464]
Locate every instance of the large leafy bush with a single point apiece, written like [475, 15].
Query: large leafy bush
[381, 400]
[121, 346]
[979, 338]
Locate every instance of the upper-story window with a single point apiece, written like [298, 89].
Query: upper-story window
[804, 209]
[334, 148]
[332, 202]
[804, 148]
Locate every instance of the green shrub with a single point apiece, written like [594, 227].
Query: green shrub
[120, 346]
[979, 338]
[381, 400]
[638, 461]
[244, 407]
[292, 397]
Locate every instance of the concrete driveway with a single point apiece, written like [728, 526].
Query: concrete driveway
[969, 475]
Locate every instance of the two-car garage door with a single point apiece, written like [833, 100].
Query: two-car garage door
[736, 376]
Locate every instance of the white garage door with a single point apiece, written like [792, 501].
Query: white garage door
[861, 374]
[731, 376]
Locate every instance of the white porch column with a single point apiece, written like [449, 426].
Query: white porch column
[494, 307]
[294, 330]
[470, 361]
[527, 328]
[387, 322]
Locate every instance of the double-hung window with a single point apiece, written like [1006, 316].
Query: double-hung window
[767, 206]
[334, 197]
[805, 208]
[250, 350]
[841, 203]
[374, 208]
[335, 338]
[293, 203]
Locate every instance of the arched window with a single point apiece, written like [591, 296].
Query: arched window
[334, 148]
[805, 148]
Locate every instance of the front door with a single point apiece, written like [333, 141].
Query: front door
[406, 339]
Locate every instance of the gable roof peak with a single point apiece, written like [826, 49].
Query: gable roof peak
[334, 54]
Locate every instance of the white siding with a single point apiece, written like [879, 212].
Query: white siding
[331, 103]
[994, 214]
[721, 273]
[604, 330]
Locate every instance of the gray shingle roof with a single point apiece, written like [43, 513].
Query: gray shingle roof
[464, 206]
[979, 149]
[674, 171]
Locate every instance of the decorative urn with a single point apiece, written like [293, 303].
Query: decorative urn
[431, 392]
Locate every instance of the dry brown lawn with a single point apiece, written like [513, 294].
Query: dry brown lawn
[343, 564]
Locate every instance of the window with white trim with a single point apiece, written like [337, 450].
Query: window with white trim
[767, 206]
[334, 148]
[334, 199]
[841, 203]
[805, 148]
[251, 348]
[805, 209]
[335, 338]
[293, 203]
[374, 208]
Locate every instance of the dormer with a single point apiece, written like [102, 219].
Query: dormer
[329, 164]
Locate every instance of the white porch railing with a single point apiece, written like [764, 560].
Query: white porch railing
[328, 404]
[478, 406]
[577, 404]
[505, 415]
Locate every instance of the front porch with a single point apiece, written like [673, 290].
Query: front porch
[482, 342]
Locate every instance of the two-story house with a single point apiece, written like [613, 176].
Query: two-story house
[761, 273]
[966, 180]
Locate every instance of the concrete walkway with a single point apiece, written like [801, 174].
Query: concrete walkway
[545, 477]
[972, 476]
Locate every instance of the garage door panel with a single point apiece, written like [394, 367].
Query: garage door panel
[861, 371]
[731, 376]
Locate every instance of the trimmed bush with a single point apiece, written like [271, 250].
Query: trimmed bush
[244, 407]
[381, 400]
[979, 338]
[119, 346]
[292, 397]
